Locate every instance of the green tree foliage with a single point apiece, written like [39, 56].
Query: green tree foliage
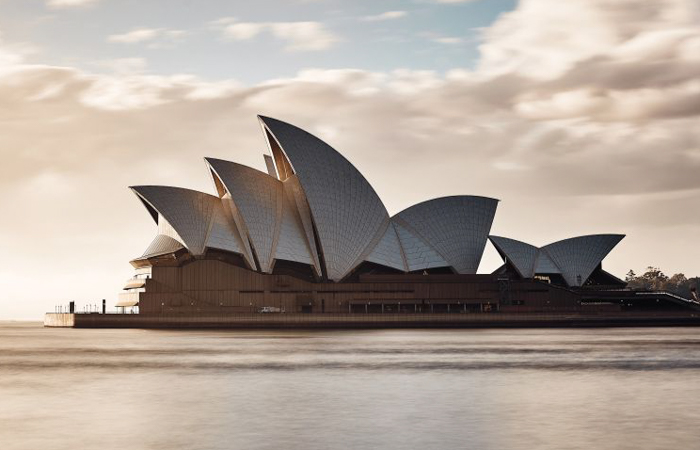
[654, 279]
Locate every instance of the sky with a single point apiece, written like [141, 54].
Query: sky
[581, 116]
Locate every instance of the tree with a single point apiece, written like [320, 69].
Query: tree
[654, 279]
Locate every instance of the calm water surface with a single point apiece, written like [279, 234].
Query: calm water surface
[471, 389]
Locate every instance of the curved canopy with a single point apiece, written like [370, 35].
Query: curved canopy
[347, 213]
[456, 227]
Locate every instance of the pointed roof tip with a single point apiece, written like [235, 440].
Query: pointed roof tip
[146, 186]
[216, 164]
[269, 121]
[493, 236]
[209, 160]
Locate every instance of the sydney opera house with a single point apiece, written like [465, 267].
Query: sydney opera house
[311, 235]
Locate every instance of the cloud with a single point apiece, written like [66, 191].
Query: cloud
[123, 65]
[634, 63]
[304, 36]
[137, 35]
[388, 15]
[604, 140]
[157, 37]
[14, 54]
[300, 36]
[244, 30]
[536, 39]
[448, 40]
[58, 4]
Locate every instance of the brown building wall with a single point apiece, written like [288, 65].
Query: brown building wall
[212, 286]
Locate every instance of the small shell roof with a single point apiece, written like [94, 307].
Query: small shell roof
[574, 258]
[455, 227]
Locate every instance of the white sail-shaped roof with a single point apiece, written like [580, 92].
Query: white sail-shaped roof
[579, 256]
[520, 254]
[388, 251]
[161, 245]
[575, 258]
[545, 265]
[187, 216]
[292, 244]
[456, 227]
[346, 211]
[220, 235]
[295, 195]
[258, 198]
[419, 255]
[314, 207]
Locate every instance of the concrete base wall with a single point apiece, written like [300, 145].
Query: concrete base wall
[64, 320]
[350, 321]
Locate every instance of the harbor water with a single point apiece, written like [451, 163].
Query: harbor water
[603, 388]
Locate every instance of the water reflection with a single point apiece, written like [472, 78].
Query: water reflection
[482, 389]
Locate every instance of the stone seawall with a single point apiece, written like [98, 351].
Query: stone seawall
[350, 321]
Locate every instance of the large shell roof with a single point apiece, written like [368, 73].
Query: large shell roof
[347, 213]
[574, 258]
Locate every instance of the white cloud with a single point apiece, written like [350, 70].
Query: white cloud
[543, 39]
[13, 54]
[244, 30]
[137, 35]
[157, 37]
[448, 40]
[304, 36]
[125, 66]
[56, 4]
[300, 36]
[9, 58]
[388, 15]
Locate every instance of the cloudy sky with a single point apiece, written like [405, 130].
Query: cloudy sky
[581, 116]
